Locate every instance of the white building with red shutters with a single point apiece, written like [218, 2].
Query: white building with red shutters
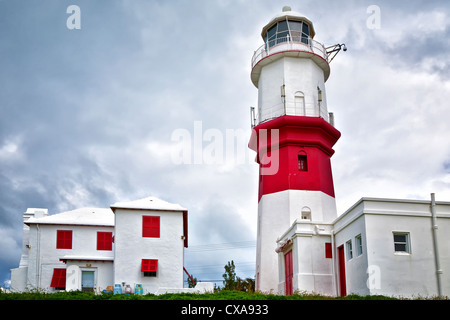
[150, 237]
[379, 246]
[131, 243]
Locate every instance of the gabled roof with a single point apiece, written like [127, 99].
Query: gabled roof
[149, 203]
[155, 204]
[82, 216]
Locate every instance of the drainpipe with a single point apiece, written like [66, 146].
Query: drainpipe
[436, 248]
[333, 264]
[38, 257]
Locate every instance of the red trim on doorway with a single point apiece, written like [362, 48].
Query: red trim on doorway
[342, 281]
[288, 272]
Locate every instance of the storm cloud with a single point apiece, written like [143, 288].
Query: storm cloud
[87, 116]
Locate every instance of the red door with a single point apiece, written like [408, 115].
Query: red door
[288, 272]
[341, 261]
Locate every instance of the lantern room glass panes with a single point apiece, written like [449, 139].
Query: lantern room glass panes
[305, 33]
[282, 31]
[295, 28]
[287, 30]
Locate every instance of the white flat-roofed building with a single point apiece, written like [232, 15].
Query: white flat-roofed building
[132, 243]
[377, 247]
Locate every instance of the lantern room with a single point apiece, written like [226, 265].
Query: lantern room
[287, 27]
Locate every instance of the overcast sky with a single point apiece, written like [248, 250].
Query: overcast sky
[90, 116]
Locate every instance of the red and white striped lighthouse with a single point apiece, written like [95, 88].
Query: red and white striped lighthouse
[293, 135]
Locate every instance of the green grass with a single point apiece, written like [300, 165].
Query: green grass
[221, 295]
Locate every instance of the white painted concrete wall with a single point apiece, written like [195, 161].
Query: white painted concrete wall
[44, 256]
[313, 272]
[19, 275]
[298, 75]
[131, 248]
[40, 255]
[276, 213]
[103, 274]
[392, 273]
[355, 268]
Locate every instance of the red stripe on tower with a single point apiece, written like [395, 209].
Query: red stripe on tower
[301, 152]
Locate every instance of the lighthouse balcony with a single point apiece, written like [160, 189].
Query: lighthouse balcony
[289, 46]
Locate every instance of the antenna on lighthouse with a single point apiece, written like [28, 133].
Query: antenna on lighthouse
[335, 50]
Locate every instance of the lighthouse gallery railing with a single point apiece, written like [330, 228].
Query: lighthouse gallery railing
[289, 44]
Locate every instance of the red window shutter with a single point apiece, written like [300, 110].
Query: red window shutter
[328, 251]
[59, 278]
[64, 239]
[150, 227]
[149, 265]
[104, 240]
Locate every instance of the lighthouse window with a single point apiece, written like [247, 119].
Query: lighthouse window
[302, 162]
[306, 213]
[287, 30]
[282, 31]
[295, 28]
[271, 34]
[305, 33]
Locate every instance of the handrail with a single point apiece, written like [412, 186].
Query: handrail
[306, 44]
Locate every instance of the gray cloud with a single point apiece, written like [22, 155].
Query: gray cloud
[87, 115]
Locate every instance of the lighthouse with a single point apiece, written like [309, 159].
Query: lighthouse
[293, 134]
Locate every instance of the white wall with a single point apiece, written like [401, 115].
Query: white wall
[19, 275]
[44, 256]
[276, 213]
[356, 267]
[402, 274]
[313, 272]
[298, 75]
[273, 220]
[393, 273]
[103, 274]
[131, 248]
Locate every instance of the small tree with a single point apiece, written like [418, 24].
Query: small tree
[191, 284]
[246, 285]
[229, 277]
[232, 282]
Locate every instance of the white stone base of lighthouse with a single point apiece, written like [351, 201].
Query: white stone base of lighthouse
[312, 267]
[278, 214]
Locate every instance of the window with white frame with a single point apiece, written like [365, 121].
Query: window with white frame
[358, 244]
[349, 248]
[402, 242]
[306, 213]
